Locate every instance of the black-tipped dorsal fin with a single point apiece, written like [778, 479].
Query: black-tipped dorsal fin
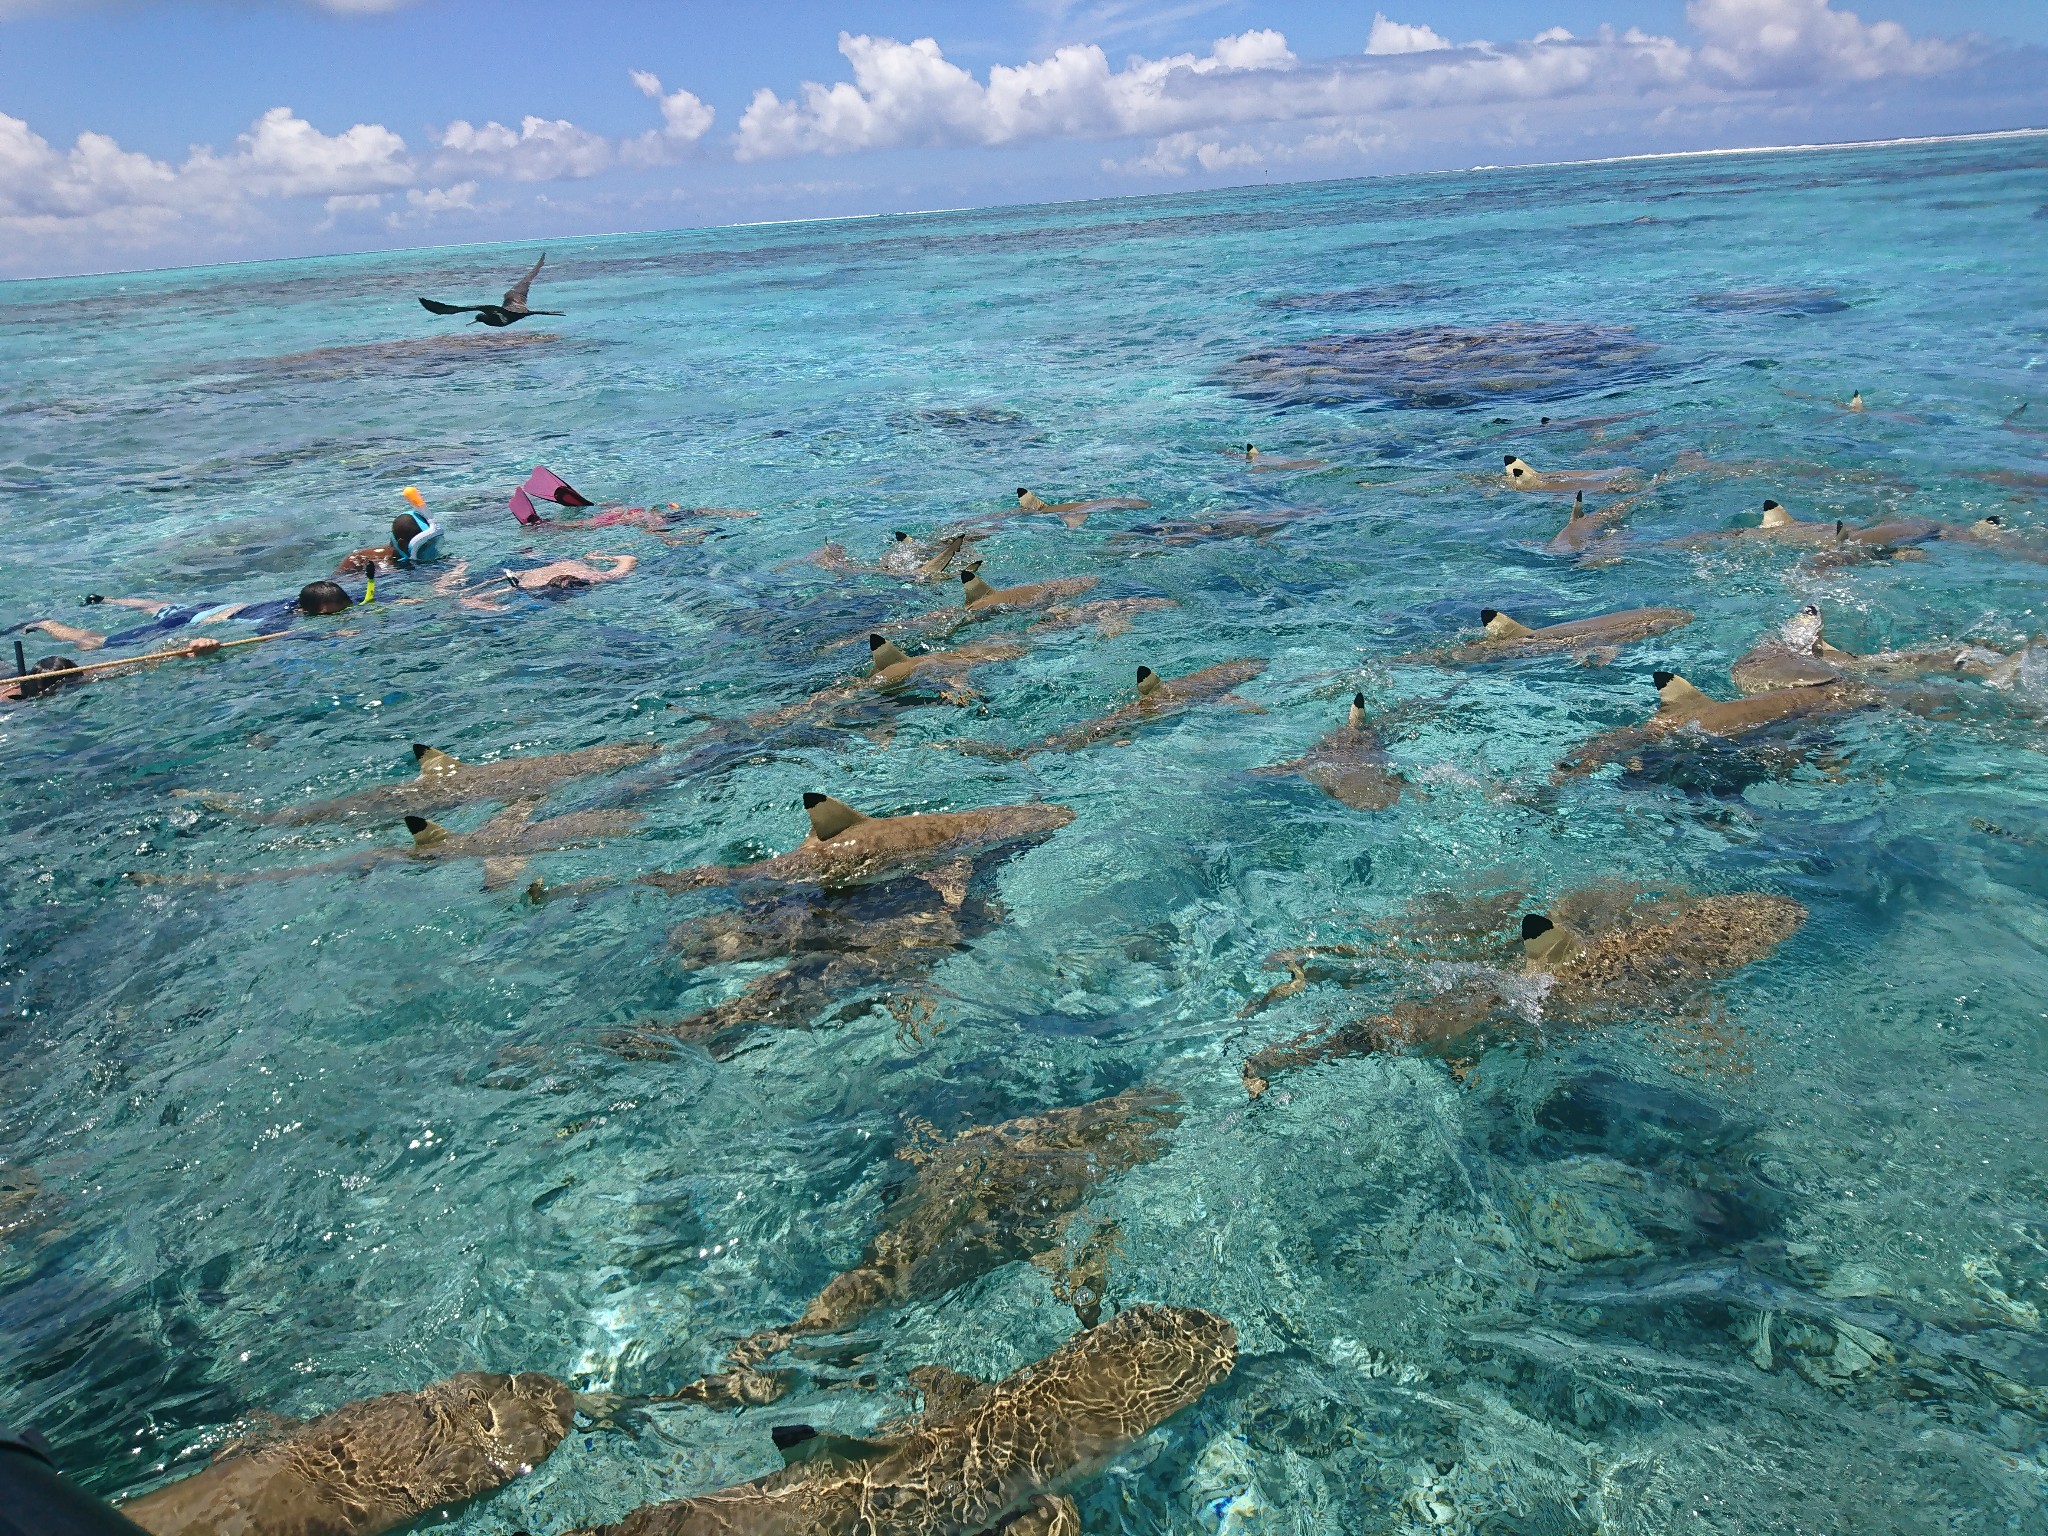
[1355, 716]
[1148, 683]
[1030, 501]
[972, 588]
[1545, 942]
[1578, 506]
[433, 759]
[1674, 691]
[1519, 469]
[902, 537]
[425, 833]
[883, 654]
[829, 817]
[1500, 627]
[1776, 516]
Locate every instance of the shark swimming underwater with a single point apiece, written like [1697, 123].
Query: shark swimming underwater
[506, 844]
[1158, 699]
[1630, 959]
[1588, 639]
[990, 1196]
[445, 782]
[848, 848]
[1683, 709]
[1349, 765]
[981, 1458]
[906, 557]
[1111, 616]
[1254, 525]
[1583, 530]
[370, 1466]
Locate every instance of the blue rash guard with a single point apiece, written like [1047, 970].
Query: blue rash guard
[268, 618]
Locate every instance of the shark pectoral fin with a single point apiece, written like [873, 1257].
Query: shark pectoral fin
[1599, 656]
[433, 759]
[1500, 627]
[829, 817]
[425, 833]
[803, 1446]
[1074, 519]
[951, 882]
[501, 872]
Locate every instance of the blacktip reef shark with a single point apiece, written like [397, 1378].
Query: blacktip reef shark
[980, 597]
[370, 1466]
[1076, 513]
[891, 672]
[990, 1196]
[1658, 956]
[1258, 462]
[848, 848]
[1111, 616]
[445, 782]
[1349, 765]
[980, 1459]
[1594, 640]
[912, 559]
[1254, 525]
[506, 843]
[1159, 698]
[1682, 708]
[1798, 655]
[1523, 476]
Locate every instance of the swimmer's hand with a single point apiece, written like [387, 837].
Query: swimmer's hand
[202, 647]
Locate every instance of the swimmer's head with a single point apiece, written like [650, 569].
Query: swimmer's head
[413, 536]
[404, 529]
[47, 676]
[323, 597]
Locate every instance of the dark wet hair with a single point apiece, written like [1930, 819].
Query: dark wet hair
[320, 597]
[404, 529]
[46, 676]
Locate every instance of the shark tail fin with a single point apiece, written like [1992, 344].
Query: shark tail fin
[1776, 516]
[1546, 943]
[1500, 627]
[425, 833]
[829, 817]
[1148, 683]
[972, 588]
[1674, 691]
[883, 653]
[433, 759]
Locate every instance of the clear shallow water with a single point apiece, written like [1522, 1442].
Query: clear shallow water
[300, 1142]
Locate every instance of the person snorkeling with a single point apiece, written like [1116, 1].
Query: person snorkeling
[315, 599]
[545, 484]
[558, 578]
[414, 538]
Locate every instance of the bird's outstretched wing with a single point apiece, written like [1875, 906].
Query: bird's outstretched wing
[515, 296]
[436, 307]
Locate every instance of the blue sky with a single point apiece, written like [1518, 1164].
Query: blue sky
[158, 132]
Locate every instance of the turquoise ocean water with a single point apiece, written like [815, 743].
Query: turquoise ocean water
[1775, 1264]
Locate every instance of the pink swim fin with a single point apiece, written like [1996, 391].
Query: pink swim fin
[545, 483]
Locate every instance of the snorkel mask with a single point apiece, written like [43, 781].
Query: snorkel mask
[420, 544]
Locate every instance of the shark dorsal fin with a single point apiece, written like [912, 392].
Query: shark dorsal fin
[1518, 469]
[1544, 943]
[433, 759]
[1500, 627]
[1856, 401]
[1674, 692]
[1578, 506]
[883, 655]
[803, 1446]
[829, 817]
[1030, 501]
[1355, 716]
[1776, 516]
[1992, 524]
[972, 588]
[1149, 684]
[1251, 451]
[425, 833]
[902, 537]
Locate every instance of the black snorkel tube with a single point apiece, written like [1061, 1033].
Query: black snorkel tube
[36, 1501]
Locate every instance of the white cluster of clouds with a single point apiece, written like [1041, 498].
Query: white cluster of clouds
[911, 94]
[96, 188]
[1248, 101]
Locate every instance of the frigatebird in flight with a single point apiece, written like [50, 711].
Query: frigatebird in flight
[511, 312]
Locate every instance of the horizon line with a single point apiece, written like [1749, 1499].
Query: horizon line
[1825, 146]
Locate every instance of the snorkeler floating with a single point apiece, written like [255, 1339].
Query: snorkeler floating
[545, 484]
[511, 312]
[316, 598]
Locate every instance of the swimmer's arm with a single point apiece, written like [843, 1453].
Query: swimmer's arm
[71, 635]
[622, 565]
[451, 583]
[151, 605]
